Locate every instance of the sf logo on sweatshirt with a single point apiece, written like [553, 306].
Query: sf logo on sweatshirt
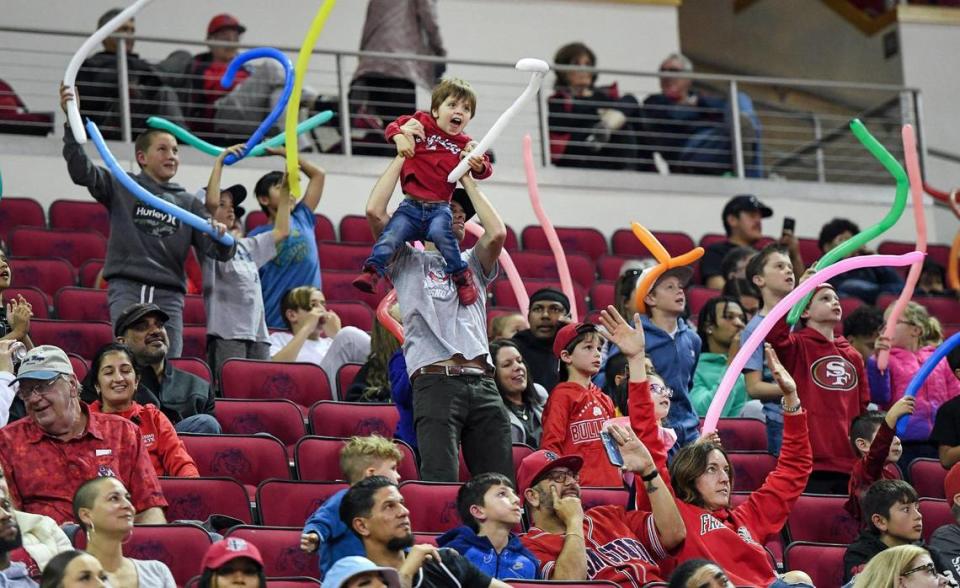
[834, 372]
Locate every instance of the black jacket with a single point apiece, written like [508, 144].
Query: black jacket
[538, 355]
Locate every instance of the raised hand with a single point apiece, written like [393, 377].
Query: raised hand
[618, 331]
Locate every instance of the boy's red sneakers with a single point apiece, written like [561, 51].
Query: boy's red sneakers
[367, 281]
[466, 291]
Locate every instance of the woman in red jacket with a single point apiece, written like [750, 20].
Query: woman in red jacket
[702, 478]
[115, 377]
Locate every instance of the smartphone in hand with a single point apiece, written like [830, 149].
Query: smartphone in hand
[613, 450]
[789, 224]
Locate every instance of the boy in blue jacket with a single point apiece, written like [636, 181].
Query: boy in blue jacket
[360, 458]
[490, 508]
[673, 347]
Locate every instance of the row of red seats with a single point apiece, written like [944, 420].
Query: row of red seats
[84, 216]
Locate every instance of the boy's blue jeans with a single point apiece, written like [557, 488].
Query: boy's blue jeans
[413, 220]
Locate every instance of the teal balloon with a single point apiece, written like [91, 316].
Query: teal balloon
[188, 138]
[854, 243]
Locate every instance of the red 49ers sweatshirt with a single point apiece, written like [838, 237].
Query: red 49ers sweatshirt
[832, 385]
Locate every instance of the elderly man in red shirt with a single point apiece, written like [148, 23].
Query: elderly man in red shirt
[61, 445]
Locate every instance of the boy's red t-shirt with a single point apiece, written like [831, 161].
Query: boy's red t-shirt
[424, 176]
[572, 421]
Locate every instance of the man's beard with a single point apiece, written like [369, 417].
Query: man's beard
[398, 543]
[11, 544]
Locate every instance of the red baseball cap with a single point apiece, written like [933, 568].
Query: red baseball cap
[224, 21]
[534, 466]
[228, 550]
[951, 484]
[569, 333]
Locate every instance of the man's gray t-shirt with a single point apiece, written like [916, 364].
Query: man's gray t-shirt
[946, 543]
[232, 292]
[436, 326]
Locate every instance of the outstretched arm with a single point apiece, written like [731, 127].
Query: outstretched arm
[377, 216]
[212, 197]
[489, 246]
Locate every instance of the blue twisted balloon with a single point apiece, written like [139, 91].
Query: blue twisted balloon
[146, 197]
[921, 376]
[227, 80]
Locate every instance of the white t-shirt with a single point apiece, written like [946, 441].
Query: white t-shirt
[313, 351]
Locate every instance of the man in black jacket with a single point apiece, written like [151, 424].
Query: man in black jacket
[549, 310]
[99, 87]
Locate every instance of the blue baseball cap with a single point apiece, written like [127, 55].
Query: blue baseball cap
[348, 567]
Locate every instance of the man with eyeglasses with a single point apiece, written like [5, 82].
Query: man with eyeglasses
[549, 310]
[605, 542]
[60, 444]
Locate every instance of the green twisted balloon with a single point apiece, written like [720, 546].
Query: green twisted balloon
[185, 136]
[862, 238]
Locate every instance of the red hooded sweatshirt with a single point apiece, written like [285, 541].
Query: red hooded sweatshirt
[832, 385]
[424, 176]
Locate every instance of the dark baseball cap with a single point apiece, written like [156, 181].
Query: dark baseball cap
[239, 194]
[134, 313]
[746, 202]
[461, 198]
[569, 333]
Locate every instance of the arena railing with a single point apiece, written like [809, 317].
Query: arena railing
[751, 131]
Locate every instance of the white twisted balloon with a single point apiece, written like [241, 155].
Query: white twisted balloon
[70, 76]
[539, 69]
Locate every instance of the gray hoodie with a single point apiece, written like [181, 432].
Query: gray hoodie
[946, 542]
[146, 245]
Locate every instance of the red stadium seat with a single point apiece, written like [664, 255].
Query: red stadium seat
[927, 476]
[936, 513]
[944, 308]
[937, 253]
[750, 468]
[433, 505]
[301, 383]
[597, 496]
[542, 265]
[348, 419]
[849, 304]
[742, 434]
[602, 294]
[292, 582]
[822, 561]
[34, 296]
[821, 518]
[254, 219]
[46, 274]
[571, 584]
[89, 272]
[80, 366]
[342, 256]
[249, 459]
[353, 314]
[287, 503]
[195, 499]
[194, 311]
[323, 228]
[608, 267]
[697, 297]
[280, 548]
[194, 342]
[587, 241]
[19, 212]
[428, 538]
[345, 377]
[520, 451]
[82, 304]
[510, 244]
[81, 337]
[503, 292]
[195, 366]
[338, 287]
[318, 458]
[74, 246]
[710, 238]
[809, 251]
[280, 418]
[80, 215]
[625, 243]
[179, 545]
[354, 228]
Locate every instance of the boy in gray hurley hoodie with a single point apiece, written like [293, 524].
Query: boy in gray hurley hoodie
[147, 248]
